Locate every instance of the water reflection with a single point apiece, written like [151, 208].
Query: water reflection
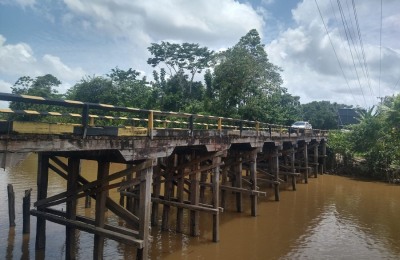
[10, 244]
[331, 217]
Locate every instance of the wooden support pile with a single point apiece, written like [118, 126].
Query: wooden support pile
[78, 187]
[184, 178]
[233, 179]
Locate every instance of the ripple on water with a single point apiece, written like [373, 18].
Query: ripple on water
[336, 236]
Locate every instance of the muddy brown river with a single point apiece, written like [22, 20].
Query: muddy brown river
[331, 217]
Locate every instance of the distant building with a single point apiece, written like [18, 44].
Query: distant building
[347, 116]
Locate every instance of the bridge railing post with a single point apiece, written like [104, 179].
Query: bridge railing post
[270, 131]
[191, 121]
[85, 119]
[220, 123]
[150, 124]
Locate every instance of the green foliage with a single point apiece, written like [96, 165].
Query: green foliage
[376, 139]
[322, 114]
[42, 86]
[120, 88]
[245, 84]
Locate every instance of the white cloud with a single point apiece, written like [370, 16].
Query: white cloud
[206, 22]
[311, 69]
[19, 60]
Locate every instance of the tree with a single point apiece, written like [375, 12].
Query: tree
[180, 58]
[42, 86]
[322, 114]
[244, 81]
[120, 88]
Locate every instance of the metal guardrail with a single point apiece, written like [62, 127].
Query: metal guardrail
[150, 118]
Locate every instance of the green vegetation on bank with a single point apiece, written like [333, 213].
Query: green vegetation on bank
[372, 147]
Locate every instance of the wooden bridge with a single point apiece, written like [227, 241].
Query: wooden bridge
[188, 161]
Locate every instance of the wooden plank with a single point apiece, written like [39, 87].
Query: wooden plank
[183, 205]
[243, 190]
[289, 173]
[122, 230]
[89, 228]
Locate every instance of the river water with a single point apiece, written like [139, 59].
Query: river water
[331, 217]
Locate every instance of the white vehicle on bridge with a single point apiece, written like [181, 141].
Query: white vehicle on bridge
[300, 126]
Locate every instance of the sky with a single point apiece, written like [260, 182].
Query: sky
[344, 51]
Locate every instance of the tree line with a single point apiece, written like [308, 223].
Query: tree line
[239, 82]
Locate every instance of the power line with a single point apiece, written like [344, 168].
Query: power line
[362, 47]
[347, 32]
[334, 50]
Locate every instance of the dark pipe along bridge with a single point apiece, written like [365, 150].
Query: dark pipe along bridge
[188, 161]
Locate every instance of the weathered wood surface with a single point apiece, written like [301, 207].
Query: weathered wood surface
[11, 204]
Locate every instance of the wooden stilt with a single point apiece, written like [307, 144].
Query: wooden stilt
[293, 170]
[253, 180]
[42, 184]
[323, 156]
[122, 197]
[239, 183]
[11, 204]
[315, 161]
[203, 179]
[285, 162]
[215, 189]
[195, 198]
[276, 168]
[180, 193]
[156, 194]
[101, 197]
[72, 184]
[146, 177]
[305, 162]
[224, 181]
[26, 205]
[167, 192]
[88, 201]
[129, 200]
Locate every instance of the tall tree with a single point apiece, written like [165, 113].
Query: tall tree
[244, 80]
[181, 58]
